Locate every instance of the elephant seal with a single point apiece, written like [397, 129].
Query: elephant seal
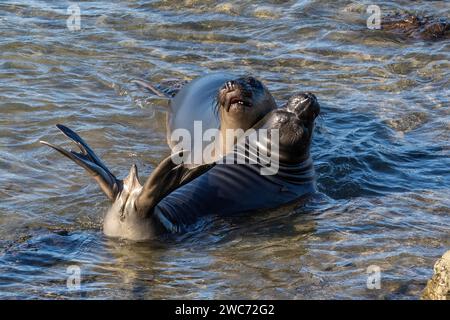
[177, 194]
[215, 101]
[226, 188]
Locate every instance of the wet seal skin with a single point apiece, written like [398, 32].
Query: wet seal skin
[218, 101]
[176, 194]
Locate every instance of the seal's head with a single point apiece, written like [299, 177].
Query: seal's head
[295, 124]
[305, 106]
[243, 102]
[296, 138]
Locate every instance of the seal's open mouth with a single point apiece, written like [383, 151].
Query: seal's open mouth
[235, 96]
[237, 103]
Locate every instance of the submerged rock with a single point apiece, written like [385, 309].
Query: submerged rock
[408, 122]
[438, 287]
[424, 27]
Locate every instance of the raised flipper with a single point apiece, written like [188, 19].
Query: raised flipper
[167, 177]
[87, 159]
[167, 89]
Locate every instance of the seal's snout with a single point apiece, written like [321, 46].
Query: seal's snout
[304, 105]
[236, 95]
[230, 85]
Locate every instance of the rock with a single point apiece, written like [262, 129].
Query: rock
[424, 27]
[438, 287]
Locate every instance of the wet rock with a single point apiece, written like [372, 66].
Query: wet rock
[227, 8]
[415, 26]
[264, 12]
[438, 287]
[408, 122]
[357, 7]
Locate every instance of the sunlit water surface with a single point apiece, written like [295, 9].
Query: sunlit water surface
[381, 148]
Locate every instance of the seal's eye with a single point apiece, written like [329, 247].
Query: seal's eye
[251, 80]
[254, 83]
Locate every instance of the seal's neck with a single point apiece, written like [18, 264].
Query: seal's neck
[228, 139]
[232, 128]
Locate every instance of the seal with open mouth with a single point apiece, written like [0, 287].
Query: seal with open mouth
[176, 195]
[216, 101]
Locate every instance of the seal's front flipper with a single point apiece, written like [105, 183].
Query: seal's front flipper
[167, 89]
[167, 177]
[151, 88]
[87, 159]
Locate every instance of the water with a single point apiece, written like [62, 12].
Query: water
[381, 148]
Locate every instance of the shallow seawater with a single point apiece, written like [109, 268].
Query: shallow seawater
[381, 148]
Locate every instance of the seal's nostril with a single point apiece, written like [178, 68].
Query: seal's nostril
[230, 85]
